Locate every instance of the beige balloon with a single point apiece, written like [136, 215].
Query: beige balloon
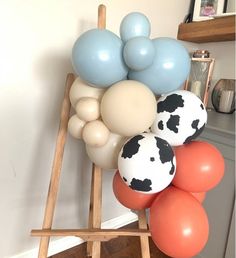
[80, 89]
[75, 127]
[128, 108]
[107, 156]
[95, 133]
[88, 109]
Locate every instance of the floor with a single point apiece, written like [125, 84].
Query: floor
[121, 247]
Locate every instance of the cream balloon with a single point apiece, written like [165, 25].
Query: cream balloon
[128, 108]
[75, 127]
[95, 133]
[80, 89]
[88, 109]
[107, 156]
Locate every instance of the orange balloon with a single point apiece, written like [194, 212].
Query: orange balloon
[130, 198]
[178, 223]
[200, 167]
[199, 196]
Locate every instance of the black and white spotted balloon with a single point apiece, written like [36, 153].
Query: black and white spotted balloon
[181, 117]
[147, 163]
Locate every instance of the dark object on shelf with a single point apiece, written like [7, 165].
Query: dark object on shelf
[189, 17]
[225, 6]
[201, 54]
[223, 96]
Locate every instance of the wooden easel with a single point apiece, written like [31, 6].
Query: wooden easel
[94, 235]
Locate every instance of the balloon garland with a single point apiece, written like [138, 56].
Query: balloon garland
[150, 143]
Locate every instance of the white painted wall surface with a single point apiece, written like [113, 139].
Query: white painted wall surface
[35, 47]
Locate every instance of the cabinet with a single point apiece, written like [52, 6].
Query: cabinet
[215, 30]
[219, 202]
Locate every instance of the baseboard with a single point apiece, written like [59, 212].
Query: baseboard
[65, 243]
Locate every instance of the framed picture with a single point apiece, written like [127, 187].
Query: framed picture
[205, 9]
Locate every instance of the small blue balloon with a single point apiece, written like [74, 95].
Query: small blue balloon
[134, 25]
[97, 58]
[169, 70]
[139, 53]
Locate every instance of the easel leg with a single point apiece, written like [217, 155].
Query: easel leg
[94, 248]
[56, 169]
[142, 220]
[90, 222]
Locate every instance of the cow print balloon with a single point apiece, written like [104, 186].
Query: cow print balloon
[181, 117]
[147, 163]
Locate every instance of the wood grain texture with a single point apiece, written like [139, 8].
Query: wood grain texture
[215, 30]
[97, 208]
[95, 232]
[121, 247]
[142, 221]
[56, 168]
[101, 16]
[90, 219]
[94, 248]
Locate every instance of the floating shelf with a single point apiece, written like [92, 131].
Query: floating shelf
[214, 30]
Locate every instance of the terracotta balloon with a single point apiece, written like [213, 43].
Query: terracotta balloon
[130, 198]
[178, 223]
[95, 133]
[200, 166]
[199, 196]
[106, 156]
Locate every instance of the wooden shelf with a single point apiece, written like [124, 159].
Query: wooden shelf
[215, 30]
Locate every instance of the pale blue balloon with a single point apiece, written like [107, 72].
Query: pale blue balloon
[134, 25]
[139, 53]
[97, 58]
[169, 70]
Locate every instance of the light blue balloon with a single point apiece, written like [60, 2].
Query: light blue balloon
[97, 58]
[139, 53]
[170, 68]
[134, 25]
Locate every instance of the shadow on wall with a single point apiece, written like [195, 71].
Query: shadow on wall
[85, 25]
[51, 71]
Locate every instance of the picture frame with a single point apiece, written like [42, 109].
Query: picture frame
[207, 9]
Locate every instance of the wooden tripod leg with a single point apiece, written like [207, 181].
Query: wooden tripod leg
[94, 248]
[142, 220]
[90, 222]
[56, 168]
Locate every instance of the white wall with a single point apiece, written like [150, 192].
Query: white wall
[35, 48]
